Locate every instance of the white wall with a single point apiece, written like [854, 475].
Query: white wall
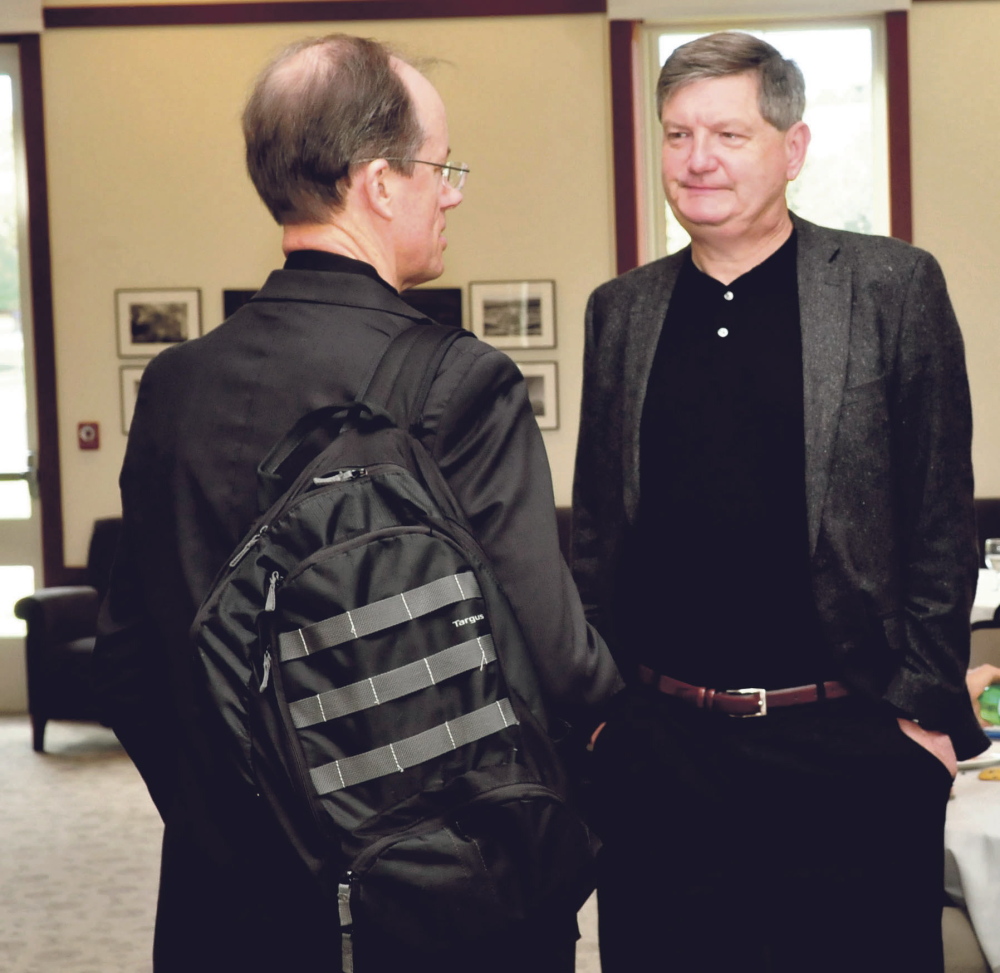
[955, 106]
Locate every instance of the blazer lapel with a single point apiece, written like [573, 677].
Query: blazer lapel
[825, 320]
[644, 322]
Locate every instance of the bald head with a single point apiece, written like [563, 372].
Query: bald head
[322, 105]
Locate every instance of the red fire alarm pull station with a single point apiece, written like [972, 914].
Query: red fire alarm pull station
[88, 435]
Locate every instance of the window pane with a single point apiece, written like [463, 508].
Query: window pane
[844, 183]
[14, 500]
[16, 581]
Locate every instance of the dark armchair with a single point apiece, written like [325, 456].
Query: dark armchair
[62, 623]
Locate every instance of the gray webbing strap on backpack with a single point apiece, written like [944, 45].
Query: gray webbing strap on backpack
[366, 693]
[379, 615]
[397, 757]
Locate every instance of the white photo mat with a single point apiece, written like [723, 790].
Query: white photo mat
[129, 378]
[514, 314]
[150, 320]
[543, 391]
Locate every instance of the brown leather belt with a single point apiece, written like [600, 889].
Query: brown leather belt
[741, 702]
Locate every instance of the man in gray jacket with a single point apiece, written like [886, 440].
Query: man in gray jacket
[774, 531]
[348, 147]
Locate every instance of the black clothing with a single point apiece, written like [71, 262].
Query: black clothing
[208, 411]
[807, 840]
[810, 838]
[723, 489]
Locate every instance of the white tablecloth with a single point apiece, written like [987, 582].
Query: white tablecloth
[972, 856]
[987, 596]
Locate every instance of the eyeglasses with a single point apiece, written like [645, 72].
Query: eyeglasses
[454, 175]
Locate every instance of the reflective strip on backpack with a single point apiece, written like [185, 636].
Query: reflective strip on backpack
[407, 679]
[377, 616]
[400, 756]
[346, 928]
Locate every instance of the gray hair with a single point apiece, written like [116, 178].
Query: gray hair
[782, 89]
[320, 106]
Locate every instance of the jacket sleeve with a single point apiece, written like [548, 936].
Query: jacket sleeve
[130, 675]
[932, 436]
[491, 452]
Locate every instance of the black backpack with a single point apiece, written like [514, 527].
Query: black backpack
[378, 692]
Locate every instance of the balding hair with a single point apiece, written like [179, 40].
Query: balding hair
[321, 106]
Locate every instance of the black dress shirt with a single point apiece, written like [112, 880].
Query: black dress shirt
[716, 591]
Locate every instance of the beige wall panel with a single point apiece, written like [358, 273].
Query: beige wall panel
[147, 190]
[955, 104]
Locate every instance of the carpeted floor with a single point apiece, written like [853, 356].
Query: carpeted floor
[80, 853]
[79, 856]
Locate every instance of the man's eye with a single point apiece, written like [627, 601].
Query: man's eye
[676, 136]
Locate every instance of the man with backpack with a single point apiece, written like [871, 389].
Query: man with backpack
[348, 147]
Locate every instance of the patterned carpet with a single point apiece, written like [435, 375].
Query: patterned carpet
[80, 853]
[79, 856]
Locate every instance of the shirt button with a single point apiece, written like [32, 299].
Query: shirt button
[728, 296]
[722, 332]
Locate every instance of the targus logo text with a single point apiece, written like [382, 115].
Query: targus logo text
[469, 620]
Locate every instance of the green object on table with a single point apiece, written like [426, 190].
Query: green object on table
[989, 702]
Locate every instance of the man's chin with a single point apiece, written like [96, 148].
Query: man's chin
[701, 220]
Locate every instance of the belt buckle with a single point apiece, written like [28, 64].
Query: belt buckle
[761, 702]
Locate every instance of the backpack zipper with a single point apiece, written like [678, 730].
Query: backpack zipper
[341, 476]
[272, 584]
[250, 543]
[270, 602]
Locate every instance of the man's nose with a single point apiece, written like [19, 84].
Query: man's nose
[452, 197]
[702, 157]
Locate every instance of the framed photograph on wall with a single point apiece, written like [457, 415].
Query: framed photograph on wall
[514, 314]
[129, 380]
[149, 321]
[543, 391]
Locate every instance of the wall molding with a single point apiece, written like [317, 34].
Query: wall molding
[298, 11]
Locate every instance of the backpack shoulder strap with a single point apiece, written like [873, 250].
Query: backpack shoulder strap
[404, 374]
[398, 386]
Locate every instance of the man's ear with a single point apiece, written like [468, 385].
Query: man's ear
[376, 183]
[797, 140]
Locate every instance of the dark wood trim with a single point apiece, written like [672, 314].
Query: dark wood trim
[49, 476]
[624, 99]
[898, 97]
[296, 11]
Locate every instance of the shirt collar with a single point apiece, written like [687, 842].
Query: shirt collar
[333, 262]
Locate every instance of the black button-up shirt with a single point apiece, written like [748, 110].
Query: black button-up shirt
[717, 589]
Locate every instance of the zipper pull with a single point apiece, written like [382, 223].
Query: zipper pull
[270, 601]
[266, 678]
[341, 476]
[246, 547]
[346, 924]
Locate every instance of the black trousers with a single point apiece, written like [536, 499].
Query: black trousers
[806, 841]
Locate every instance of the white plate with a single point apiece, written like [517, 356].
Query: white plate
[986, 759]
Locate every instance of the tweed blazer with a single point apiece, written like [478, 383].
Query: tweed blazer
[888, 472]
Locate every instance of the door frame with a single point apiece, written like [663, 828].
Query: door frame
[54, 569]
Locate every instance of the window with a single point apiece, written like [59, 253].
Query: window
[845, 181]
